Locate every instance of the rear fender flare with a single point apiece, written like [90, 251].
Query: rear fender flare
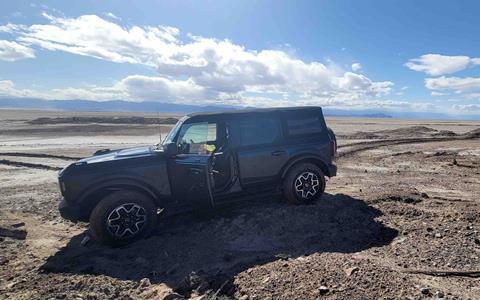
[312, 158]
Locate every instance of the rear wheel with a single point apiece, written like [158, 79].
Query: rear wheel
[122, 217]
[304, 183]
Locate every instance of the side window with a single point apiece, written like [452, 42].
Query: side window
[304, 124]
[197, 138]
[259, 131]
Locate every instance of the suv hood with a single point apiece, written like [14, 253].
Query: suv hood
[118, 155]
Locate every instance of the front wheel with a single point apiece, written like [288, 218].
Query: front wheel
[304, 183]
[122, 217]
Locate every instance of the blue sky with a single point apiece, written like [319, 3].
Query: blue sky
[393, 55]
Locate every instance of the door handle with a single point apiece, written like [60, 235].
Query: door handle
[278, 152]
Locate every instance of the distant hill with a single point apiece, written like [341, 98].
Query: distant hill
[150, 106]
[113, 105]
[352, 113]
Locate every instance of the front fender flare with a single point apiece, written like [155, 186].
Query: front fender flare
[90, 196]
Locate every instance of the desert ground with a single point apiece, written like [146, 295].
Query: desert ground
[400, 221]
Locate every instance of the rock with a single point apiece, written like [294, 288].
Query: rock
[194, 282]
[425, 291]
[244, 297]
[3, 261]
[13, 232]
[477, 241]
[19, 224]
[424, 195]
[440, 295]
[160, 291]
[455, 162]
[144, 282]
[350, 271]
[438, 235]
[323, 290]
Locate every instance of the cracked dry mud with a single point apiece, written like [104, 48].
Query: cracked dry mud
[401, 221]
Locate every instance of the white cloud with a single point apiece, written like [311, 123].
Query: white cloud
[465, 87]
[436, 64]
[141, 88]
[356, 67]
[8, 90]
[111, 15]
[197, 68]
[458, 84]
[437, 94]
[475, 96]
[12, 51]
[467, 107]
[167, 90]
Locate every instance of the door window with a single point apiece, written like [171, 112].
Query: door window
[259, 131]
[197, 138]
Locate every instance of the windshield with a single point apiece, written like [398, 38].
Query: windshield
[171, 135]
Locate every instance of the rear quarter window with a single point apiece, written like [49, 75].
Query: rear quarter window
[259, 130]
[298, 125]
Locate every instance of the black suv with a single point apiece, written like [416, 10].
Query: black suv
[206, 159]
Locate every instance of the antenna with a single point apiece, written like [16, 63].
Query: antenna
[159, 125]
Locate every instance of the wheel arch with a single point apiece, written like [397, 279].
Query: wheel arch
[305, 158]
[90, 198]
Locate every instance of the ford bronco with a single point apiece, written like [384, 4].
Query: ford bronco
[206, 159]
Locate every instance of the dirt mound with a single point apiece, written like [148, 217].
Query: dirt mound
[411, 198]
[445, 133]
[408, 132]
[412, 130]
[103, 120]
[474, 133]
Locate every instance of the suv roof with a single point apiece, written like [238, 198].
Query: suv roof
[256, 110]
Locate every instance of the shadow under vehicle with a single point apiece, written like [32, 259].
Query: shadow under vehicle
[219, 244]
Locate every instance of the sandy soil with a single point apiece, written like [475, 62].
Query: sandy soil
[400, 221]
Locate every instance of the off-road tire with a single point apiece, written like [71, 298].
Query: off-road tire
[294, 174]
[108, 206]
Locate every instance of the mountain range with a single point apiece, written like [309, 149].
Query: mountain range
[150, 106]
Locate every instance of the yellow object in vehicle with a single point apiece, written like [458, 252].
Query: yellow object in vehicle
[210, 148]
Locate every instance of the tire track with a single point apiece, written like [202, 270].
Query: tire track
[39, 155]
[28, 165]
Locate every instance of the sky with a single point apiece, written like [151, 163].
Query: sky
[418, 56]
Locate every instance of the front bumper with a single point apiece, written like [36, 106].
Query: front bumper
[67, 211]
[332, 170]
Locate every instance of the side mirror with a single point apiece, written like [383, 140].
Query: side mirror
[171, 149]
